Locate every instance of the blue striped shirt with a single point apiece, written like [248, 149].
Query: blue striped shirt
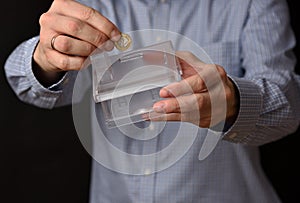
[253, 41]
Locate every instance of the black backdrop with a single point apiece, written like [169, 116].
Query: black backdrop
[41, 157]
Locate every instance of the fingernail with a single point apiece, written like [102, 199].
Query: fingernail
[145, 116]
[109, 45]
[159, 108]
[164, 93]
[115, 36]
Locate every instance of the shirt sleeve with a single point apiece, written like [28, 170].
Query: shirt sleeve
[18, 69]
[269, 94]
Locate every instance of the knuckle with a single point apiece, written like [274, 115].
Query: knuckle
[45, 19]
[87, 13]
[187, 53]
[90, 49]
[209, 66]
[74, 27]
[63, 63]
[177, 104]
[107, 25]
[99, 39]
[221, 71]
[229, 94]
[63, 45]
[199, 84]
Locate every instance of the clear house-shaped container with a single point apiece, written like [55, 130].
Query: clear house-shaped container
[127, 85]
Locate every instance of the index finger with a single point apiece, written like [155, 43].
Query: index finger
[188, 58]
[88, 15]
[189, 85]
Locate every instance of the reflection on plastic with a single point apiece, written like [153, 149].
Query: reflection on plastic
[121, 79]
[127, 85]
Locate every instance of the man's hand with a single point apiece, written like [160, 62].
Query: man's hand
[205, 96]
[74, 31]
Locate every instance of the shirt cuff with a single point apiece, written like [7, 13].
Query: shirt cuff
[249, 111]
[47, 95]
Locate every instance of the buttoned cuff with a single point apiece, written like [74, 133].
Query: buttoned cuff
[249, 111]
[47, 96]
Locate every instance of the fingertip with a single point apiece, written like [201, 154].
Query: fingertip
[115, 35]
[164, 93]
[146, 116]
[109, 45]
[159, 107]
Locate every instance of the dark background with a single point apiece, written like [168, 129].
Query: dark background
[42, 159]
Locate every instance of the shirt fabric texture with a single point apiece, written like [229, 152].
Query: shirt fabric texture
[253, 41]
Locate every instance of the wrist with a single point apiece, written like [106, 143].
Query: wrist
[45, 77]
[233, 105]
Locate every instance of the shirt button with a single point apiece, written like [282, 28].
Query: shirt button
[233, 135]
[35, 94]
[66, 81]
[147, 172]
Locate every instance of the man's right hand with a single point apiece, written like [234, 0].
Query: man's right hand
[78, 30]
